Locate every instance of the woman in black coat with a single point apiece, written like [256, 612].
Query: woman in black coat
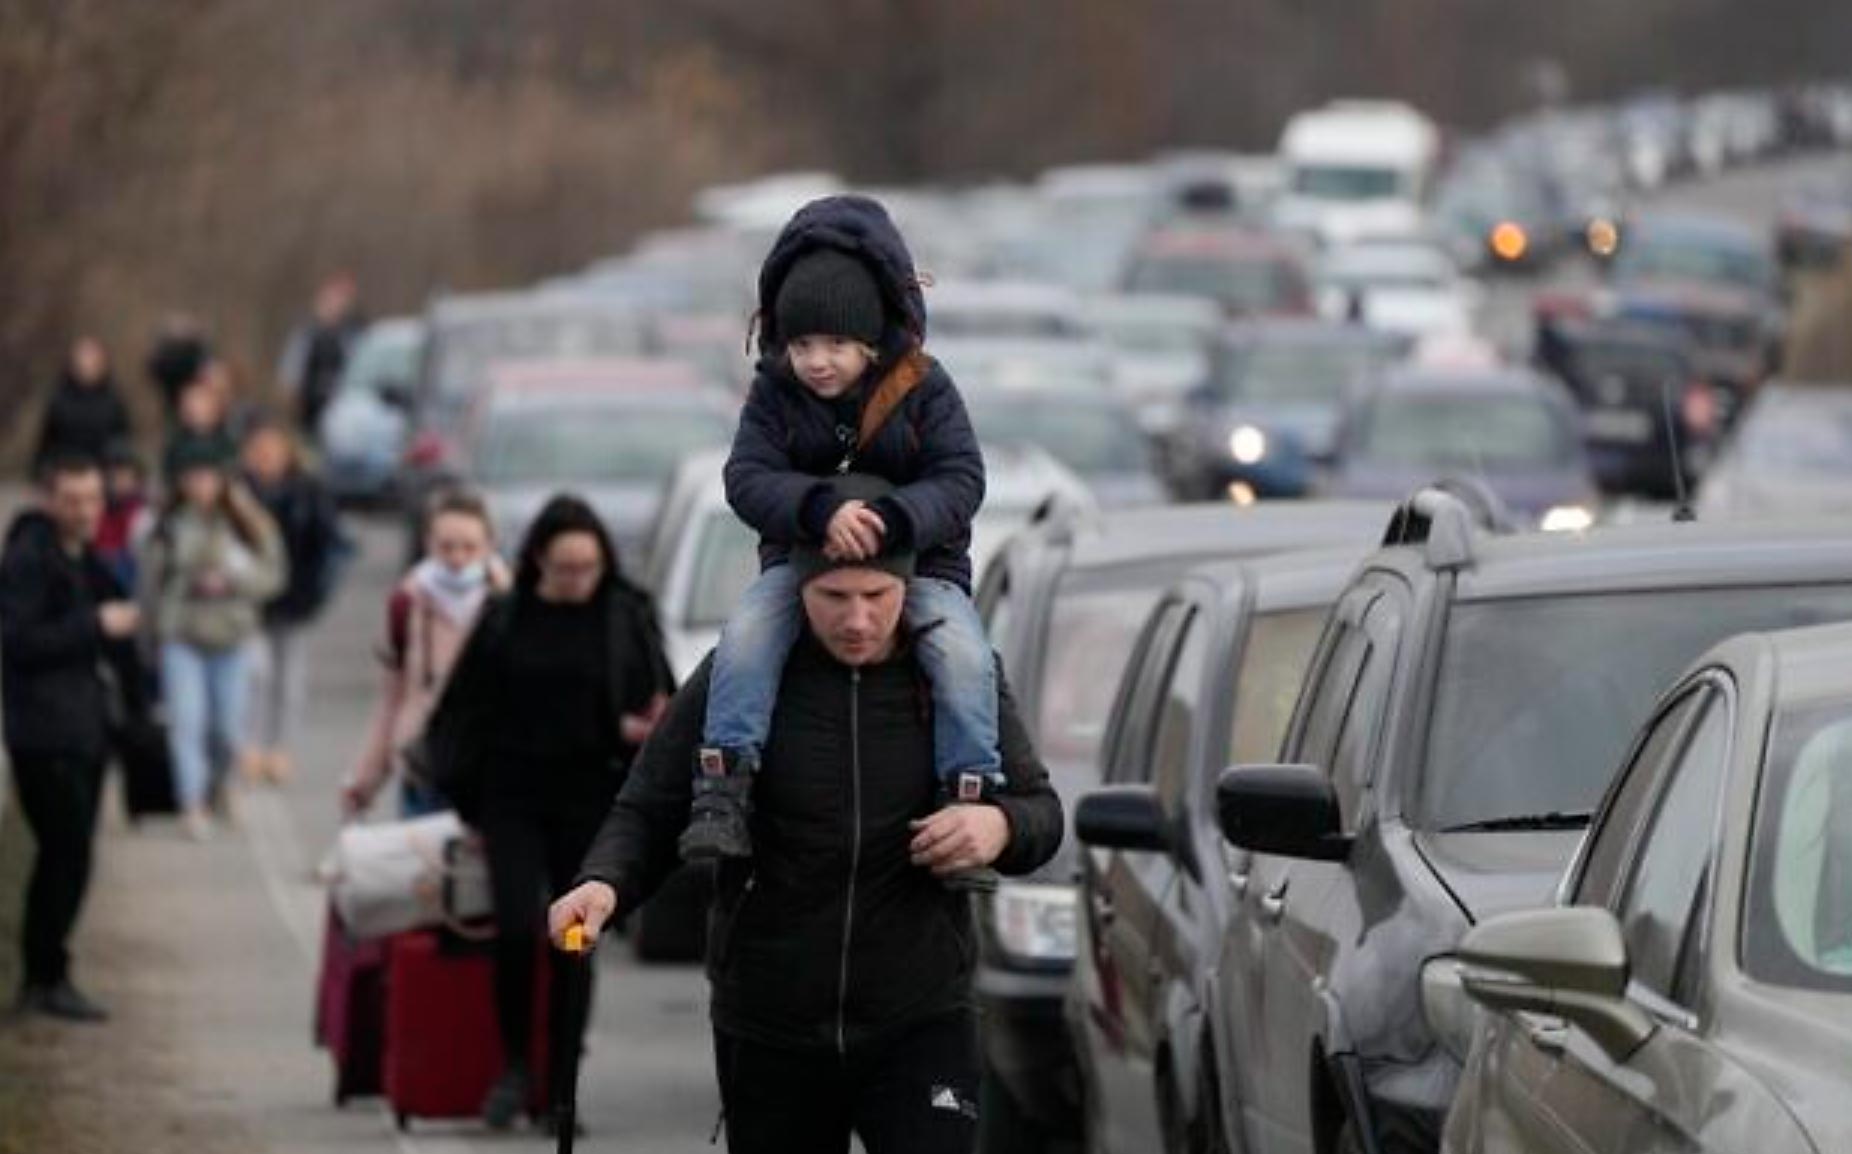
[86, 416]
[558, 686]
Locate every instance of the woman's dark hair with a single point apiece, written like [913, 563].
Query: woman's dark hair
[563, 514]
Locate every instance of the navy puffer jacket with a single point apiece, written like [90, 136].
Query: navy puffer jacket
[790, 442]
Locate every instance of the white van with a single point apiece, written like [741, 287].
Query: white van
[1356, 169]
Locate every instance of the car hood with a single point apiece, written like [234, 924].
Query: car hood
[1495, 873]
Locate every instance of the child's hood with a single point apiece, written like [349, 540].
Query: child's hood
[860, 226]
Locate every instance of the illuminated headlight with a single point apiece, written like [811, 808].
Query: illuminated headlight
[1036, 922]
[1247, 445]
[1567, 519]
[1451, 1016]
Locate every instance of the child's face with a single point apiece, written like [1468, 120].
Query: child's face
[828, 366]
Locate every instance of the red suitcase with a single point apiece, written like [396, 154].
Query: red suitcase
[443, 1049]
[350, 1009]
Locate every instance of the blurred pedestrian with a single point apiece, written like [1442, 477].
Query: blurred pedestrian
[85, 416]
[211, 563]
[558, 686]
[429, 616]
[62, 616]
[180, 352]
[840, 963]
[316, 551]
[201, 425]
[317, 351]
[126, 513]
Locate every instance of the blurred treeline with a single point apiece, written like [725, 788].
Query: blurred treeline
[221, 155]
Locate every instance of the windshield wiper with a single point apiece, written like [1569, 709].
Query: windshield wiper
[1525, 823]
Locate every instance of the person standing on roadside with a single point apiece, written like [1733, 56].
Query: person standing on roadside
[317, 351]
[62, 617]
[210, 564]
[559, 684]
[86, 416]
[428, 618]
[316, 551]
[840, 963]
[201, 425]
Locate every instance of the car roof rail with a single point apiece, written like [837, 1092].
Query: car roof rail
[1445, 518]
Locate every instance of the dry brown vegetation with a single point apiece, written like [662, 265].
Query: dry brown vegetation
[220, 155]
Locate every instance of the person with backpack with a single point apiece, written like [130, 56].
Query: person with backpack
[211, 563]
[844, 384]
[840, 964]
[317, 551]
[429, 617]
[558, 686]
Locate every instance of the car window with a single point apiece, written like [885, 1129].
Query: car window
[1336, 681]
[1128, 761]
[998, 609]
[1090, 633]
[1295, 372]
[1535, 705]
[726, 562]
[1176, 720]
[1664, 911]
[1273, 662]
[1620, 822]
[1465, 431]
[1797, 924]
[606, 443]
[1353, 760]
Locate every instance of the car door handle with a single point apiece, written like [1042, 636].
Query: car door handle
[1547, 1034]
[1273, 903]
[1238, 881]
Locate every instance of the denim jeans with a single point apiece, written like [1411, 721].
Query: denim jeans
[279, 686]
[205, 694]
[953, 650]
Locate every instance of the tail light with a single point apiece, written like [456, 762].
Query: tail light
[1698, 409]
[427, 450]
[1509, 242]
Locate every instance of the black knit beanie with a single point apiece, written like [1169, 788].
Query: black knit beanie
[829, 293]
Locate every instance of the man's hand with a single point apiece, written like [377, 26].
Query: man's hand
[636, 727]
[854, 533]
[960, 837]
[118, 620]
[591, 906]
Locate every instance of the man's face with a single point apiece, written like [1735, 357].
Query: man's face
[855, 613]
[75, 503]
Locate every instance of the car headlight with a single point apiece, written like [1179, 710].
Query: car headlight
[1567, 519]
[1247, 445]
[1451, 1016]
[1037, 922]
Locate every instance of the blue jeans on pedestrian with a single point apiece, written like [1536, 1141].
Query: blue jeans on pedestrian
[205, 694]
[953, 650]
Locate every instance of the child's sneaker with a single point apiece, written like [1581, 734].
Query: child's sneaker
[969, 789]
[722, 806]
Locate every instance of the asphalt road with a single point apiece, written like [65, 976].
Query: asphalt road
[230, 930]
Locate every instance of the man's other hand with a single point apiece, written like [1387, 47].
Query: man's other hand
[960, 837]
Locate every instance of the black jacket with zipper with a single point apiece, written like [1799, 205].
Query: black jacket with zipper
[829, 936]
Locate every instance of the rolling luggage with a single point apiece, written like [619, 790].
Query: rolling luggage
[350, 1009]
[443, 1049]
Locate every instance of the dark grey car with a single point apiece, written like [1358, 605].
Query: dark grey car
[1459, 723]
[1695, 991]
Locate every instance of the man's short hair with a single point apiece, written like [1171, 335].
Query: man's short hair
[66, 463]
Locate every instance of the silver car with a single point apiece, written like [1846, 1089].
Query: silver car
[1694, 991]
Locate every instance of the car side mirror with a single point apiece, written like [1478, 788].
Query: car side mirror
[1122, 817]
[1570, 962]
[1286, 810]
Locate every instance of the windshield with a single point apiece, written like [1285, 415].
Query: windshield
[1240, 284]
[1536, 705]
[466, 351]
[1346, 182]
[1462, 431]
[1089, 632]
[1799, 438]
[383, 357]
[1087, 438]
[607, 443]
[1797, 922]
[1287, 374]
[1592, 362]
[1649, 259]
[726, 562]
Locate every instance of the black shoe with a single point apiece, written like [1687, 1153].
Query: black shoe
[507, 1099]
[65, 1002]
[720, 818]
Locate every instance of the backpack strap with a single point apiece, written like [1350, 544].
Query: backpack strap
[894, 388]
